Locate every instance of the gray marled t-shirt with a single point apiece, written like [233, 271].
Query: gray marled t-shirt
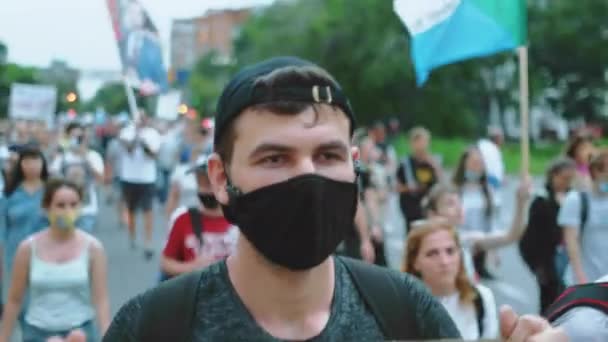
[221, 315]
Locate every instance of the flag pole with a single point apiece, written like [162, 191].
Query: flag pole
[131, 100]
[524, 107]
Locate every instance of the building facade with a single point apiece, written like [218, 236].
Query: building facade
[193, 38]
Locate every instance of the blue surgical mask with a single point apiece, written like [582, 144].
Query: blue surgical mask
[472, 176]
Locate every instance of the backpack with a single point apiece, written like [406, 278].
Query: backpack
[480, 311]
[196, 220]
[584, 212]
[378, 288]
[527, 244]
[593, 295]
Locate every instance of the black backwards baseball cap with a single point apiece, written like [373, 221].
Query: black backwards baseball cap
[243, 92]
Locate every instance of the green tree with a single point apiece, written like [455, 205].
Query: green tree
[206, 82]
[568, 52]
[111, 97]
[3, 52]
[11, 73]
[366, 47]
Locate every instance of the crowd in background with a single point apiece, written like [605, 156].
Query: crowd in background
[52, 176]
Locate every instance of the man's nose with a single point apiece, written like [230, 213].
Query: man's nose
[305, 166]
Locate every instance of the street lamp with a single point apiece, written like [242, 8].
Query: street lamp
[71, 97]
[182, 109]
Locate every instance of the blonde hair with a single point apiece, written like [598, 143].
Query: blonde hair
[420, 230]
[430, 203]
[598, 162]
[419, 132]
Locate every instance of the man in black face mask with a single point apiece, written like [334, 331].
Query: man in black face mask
[199, 236]
[284, 172]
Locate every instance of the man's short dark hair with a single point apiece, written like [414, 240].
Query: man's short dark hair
[304, 76]
[72, 126]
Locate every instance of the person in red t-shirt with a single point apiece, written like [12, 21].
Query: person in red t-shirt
[185, 251]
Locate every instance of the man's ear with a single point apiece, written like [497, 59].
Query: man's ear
[216, 169]
[354, 152]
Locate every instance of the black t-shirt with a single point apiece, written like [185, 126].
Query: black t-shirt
[220, 315]
[424, 178]
[365, 180]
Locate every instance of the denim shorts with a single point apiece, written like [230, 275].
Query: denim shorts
[31, 333]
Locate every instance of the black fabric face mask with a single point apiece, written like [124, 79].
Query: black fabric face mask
[297, 223]
[208, 200]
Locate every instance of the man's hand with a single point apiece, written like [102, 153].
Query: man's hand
[367, 251]
[527, 328]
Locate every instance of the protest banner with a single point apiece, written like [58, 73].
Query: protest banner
[32, 101]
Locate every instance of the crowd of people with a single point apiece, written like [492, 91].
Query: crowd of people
[256, 202]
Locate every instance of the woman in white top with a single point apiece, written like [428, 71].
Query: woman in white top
[478, 200]
[586, 243]
[64, 271]
[444, 201]
[433, 255]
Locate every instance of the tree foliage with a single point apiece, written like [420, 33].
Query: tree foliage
[111, 97]
[9, 74]
[366, 47]
[208, 78]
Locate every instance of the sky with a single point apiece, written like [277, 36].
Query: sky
[79, 31]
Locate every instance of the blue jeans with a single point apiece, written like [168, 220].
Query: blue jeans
[561, 261]
[163, 185]
[34, 334]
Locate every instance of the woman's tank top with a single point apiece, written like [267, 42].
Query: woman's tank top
[60, 293]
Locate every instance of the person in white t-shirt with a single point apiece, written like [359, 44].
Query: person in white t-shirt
[433, 254]
[443, 201]
[84, 166]
[586, 243]
[492, 157]
[167, 157]
[138, 173]
[183, 186]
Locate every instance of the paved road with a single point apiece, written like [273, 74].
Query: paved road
[130, 274]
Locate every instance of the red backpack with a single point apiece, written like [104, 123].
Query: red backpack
[593, 295]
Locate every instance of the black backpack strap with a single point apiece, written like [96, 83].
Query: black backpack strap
[168, 309]
[480, 310]
[594, 295]
[381, 291]
[584, 212]
[196, 220]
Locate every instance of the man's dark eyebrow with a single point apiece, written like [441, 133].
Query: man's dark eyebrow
[269, 147]
[333, 145]
[276, 147]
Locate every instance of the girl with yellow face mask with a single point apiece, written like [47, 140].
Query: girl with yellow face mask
[62, 270]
